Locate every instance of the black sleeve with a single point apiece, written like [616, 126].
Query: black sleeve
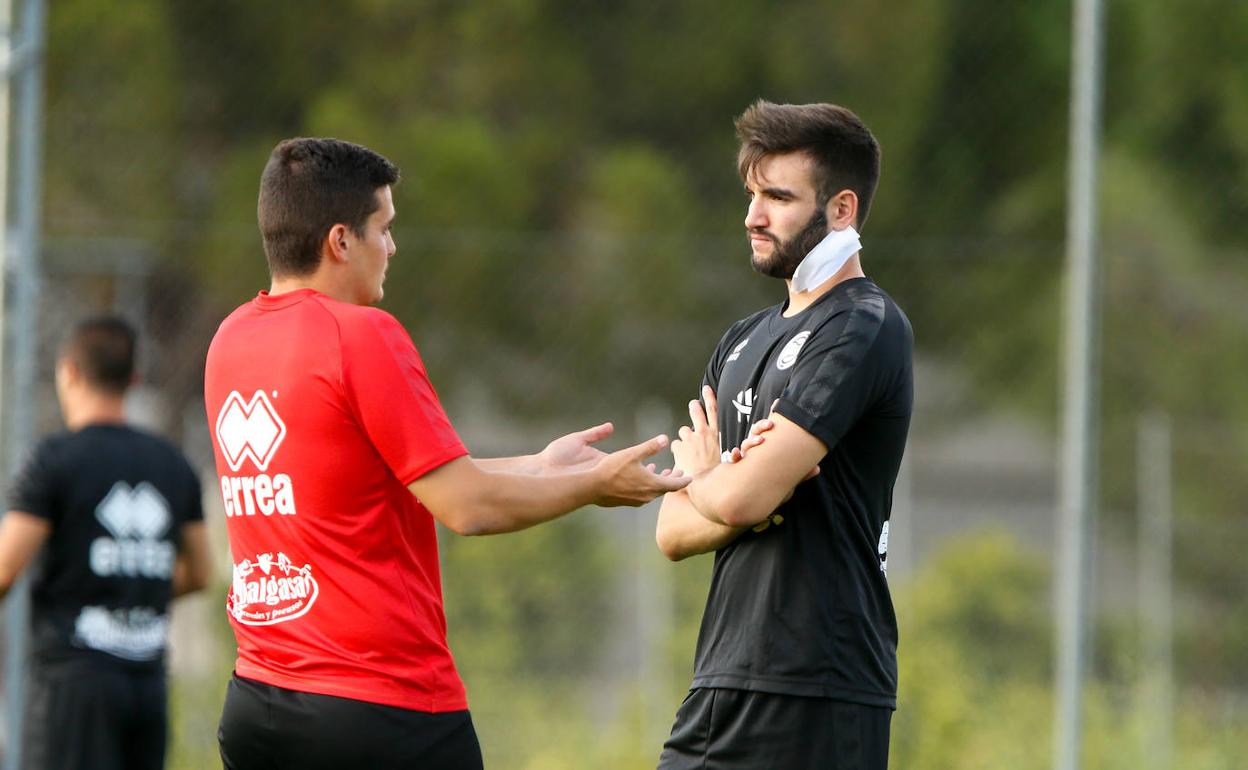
[837, 374]
[716, 364]
[194, 497]
[36, 487]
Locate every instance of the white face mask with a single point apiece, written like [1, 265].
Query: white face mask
[826, 259]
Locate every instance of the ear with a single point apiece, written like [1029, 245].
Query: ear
[336, 245]
[842, 210]
[66, 370]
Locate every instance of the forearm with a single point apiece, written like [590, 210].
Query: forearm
[497, 502]
[526, 464]
[184, 581]
[720, 498]
[682, 531]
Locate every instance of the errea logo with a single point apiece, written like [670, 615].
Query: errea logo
[250, 430]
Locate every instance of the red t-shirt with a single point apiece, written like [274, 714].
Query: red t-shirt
[321, 415]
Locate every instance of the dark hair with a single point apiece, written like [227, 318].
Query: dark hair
[310, 185]
[103, 349]
[845, 153]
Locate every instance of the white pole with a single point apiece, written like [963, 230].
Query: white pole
[23, 331]
[1156, 593]
[1079, 472]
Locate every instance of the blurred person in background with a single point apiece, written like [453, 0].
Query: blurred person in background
[118, 514]
[335, 459]
[796, 657]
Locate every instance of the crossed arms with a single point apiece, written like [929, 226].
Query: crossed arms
[726, 498]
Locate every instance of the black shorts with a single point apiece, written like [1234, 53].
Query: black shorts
[91, 714]
[266, 728]
[719, 729]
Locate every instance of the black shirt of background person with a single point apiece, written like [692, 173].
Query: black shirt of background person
[799, 605]
[117, 499]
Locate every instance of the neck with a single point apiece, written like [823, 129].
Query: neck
[95, 409]
[799, 301]
[318, 281]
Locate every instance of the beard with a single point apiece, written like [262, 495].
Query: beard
[786, 256]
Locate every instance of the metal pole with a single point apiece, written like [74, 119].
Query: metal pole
[1079, 473]
[23, 331]
[1156, 594]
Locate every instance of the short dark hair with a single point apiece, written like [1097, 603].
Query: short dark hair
[845, 153]
[310, 185]
[103, 349]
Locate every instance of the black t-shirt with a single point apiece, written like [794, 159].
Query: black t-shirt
[800, 605]
[117, 499]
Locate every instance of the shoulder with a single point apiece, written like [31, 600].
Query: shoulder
[367, 327]
[744, 326]
[52, 446]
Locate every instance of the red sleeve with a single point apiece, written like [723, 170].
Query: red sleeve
[386, 385]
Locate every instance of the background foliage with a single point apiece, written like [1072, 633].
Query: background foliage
[570, 249]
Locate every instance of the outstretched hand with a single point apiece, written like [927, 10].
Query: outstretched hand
[575, 451]
[626, 481]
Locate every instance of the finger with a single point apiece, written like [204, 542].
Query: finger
[696, 415]
[735, 455]
[712, 405]
[673, 482]
[597, 433]
[651, 467]
[762, 426]
[645, 449]
[685, 433]
[666, 472]
[813, 472]
[750, 443]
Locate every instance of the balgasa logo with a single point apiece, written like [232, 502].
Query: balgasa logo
[270, 589]
[252, 431]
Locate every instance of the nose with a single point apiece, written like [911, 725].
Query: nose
[391, 247]
[755, 216]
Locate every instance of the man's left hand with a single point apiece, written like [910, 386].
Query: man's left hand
[697, 450]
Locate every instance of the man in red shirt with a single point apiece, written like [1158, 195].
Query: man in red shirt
[334, 459]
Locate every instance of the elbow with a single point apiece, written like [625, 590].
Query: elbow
[200, 579]
[669, 548]
[468, 520]
[464, 526]
[738, 513]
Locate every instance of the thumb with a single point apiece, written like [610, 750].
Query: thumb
[597, 433]
[645, 449]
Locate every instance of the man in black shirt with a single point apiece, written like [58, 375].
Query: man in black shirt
[796, 658]
[117, 514]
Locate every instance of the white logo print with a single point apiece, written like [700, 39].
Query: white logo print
[788, 356]
[270, 590]
[736, 352]
[883, 550]
[744, 402]
[249, 430]
[141, 512]
[137, 519]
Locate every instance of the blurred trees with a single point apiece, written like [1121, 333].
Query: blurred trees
[569, 231]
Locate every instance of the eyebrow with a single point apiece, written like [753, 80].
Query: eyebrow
[779, 192]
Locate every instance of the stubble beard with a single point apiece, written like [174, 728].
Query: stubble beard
[786, 256]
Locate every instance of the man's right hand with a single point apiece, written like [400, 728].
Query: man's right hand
[623, 479]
